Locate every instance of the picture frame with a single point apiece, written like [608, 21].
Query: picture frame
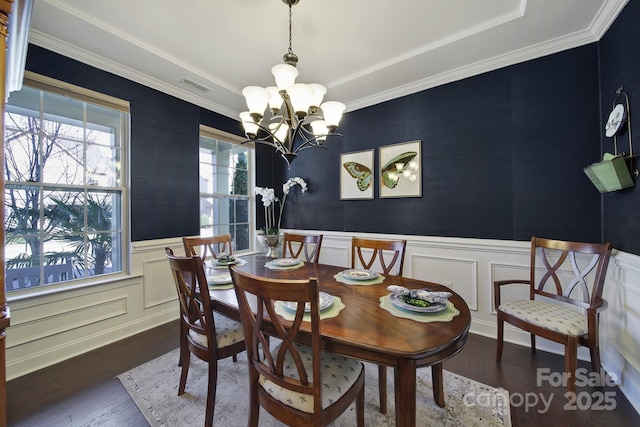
[357, 175]
[401, 170]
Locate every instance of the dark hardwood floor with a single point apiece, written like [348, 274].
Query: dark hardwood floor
[83, 391]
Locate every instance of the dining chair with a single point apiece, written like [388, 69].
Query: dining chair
[297, 384]
[389, 254]
[209, 246]
[209, 336]
[294, 244]
[565, 299]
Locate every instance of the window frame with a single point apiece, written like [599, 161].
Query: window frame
[77, 93]
[229, 138]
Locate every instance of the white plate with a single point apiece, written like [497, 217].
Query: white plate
[285, 262]
[325, 302]
[219, 279]
[360, 274]
[396, 299]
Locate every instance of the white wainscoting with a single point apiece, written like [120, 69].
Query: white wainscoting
[47, 329]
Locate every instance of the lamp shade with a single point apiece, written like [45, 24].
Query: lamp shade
[300, 95]
[275, 99]
[319, 128]
[279, 130]
[257, 99]
[318, 94]
[250, 127]
[285, 75]
[332, 111]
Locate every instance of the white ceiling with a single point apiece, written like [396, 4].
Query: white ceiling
[363, 51]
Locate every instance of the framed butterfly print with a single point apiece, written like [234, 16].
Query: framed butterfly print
[356, 175]
[401, 170]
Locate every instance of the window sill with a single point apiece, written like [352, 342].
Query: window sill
[72, 285]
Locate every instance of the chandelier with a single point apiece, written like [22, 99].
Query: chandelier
[297, 118]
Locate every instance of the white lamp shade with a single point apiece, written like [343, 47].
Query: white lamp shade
[332, 111]
[257, 99]
[279, 130]
[318, 94]
[300, 95]
[319, 127]
[285, 75]
[275, 99]
[250, 127]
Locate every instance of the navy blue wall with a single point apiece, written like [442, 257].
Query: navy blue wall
[164, 146]
[620, 66]
[502, 156]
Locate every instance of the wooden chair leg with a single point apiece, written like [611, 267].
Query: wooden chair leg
[533, 343]
[360, 407]
[211, 393]
[254, 405]
[595, 359]
[382, 388]
[571, 363]
[185, 370]
[499, 341]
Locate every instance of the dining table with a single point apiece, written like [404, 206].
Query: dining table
[368, 328]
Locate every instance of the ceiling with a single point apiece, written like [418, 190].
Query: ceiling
[364, 52]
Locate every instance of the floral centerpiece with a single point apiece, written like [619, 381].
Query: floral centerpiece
[271, 237]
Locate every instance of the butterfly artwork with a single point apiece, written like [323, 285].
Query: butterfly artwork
[401, 170]
[356, 175]
[395, 168]
[361, 173]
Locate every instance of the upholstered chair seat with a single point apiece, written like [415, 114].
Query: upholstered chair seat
[228, 332]
[338, 375]
[553, 317]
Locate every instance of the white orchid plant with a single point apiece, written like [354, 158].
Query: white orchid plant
[269, 201]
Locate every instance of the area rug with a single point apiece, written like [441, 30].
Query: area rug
[153, 386]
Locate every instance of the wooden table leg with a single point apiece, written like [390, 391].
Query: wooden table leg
[438, 386]
[405, 391]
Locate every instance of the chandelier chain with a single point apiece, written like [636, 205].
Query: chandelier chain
[290, 15]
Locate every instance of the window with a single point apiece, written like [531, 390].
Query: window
[225, 187]
[64, 184]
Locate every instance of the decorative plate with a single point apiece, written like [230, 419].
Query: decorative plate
[218, 263]
[325, 302]
[617, 118]
[432, 307]
[360, 274]
[285, 262]
[219, 279]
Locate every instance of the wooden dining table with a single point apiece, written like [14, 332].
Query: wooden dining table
[365, 331]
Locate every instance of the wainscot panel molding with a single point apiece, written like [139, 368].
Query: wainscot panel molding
[56, 326]
[469, 266]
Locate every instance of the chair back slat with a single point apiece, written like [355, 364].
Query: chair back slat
[380, 251]
[264, 293]
[572, 272]
[208, 247]
[294, 244]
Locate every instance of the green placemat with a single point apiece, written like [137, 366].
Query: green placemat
[327, 313]
[442, 316]
[340, 278]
